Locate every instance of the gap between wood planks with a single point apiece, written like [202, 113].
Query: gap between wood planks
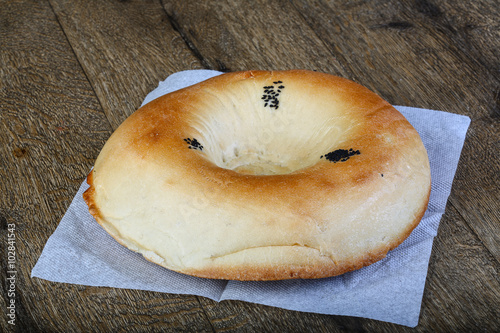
[177, 27]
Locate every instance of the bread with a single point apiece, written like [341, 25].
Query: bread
[262, 176]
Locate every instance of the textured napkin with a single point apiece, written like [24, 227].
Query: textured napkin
[391, 290]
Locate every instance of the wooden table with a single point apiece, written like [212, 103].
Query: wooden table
[72, 71]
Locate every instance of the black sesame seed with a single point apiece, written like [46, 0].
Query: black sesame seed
[193, 144]
[341, 155]
[270, 96]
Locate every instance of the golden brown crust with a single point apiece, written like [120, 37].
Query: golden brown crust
[88, 197]
[263, 193]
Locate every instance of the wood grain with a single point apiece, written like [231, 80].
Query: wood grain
[71, 72]
[453, 286]
[224, 33]
[125, 48]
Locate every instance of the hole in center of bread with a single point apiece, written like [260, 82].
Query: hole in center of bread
[240, 132]
[257, 162]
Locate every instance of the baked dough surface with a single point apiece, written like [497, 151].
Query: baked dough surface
[262, 176]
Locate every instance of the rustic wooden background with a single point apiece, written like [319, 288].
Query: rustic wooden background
[72, 71]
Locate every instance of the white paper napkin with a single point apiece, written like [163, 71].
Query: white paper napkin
[391, 290]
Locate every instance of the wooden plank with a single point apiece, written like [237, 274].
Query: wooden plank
[474, 27]
[401, 50]
[463, 286]
[52, 127]
[125, 49]
[241, 35]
